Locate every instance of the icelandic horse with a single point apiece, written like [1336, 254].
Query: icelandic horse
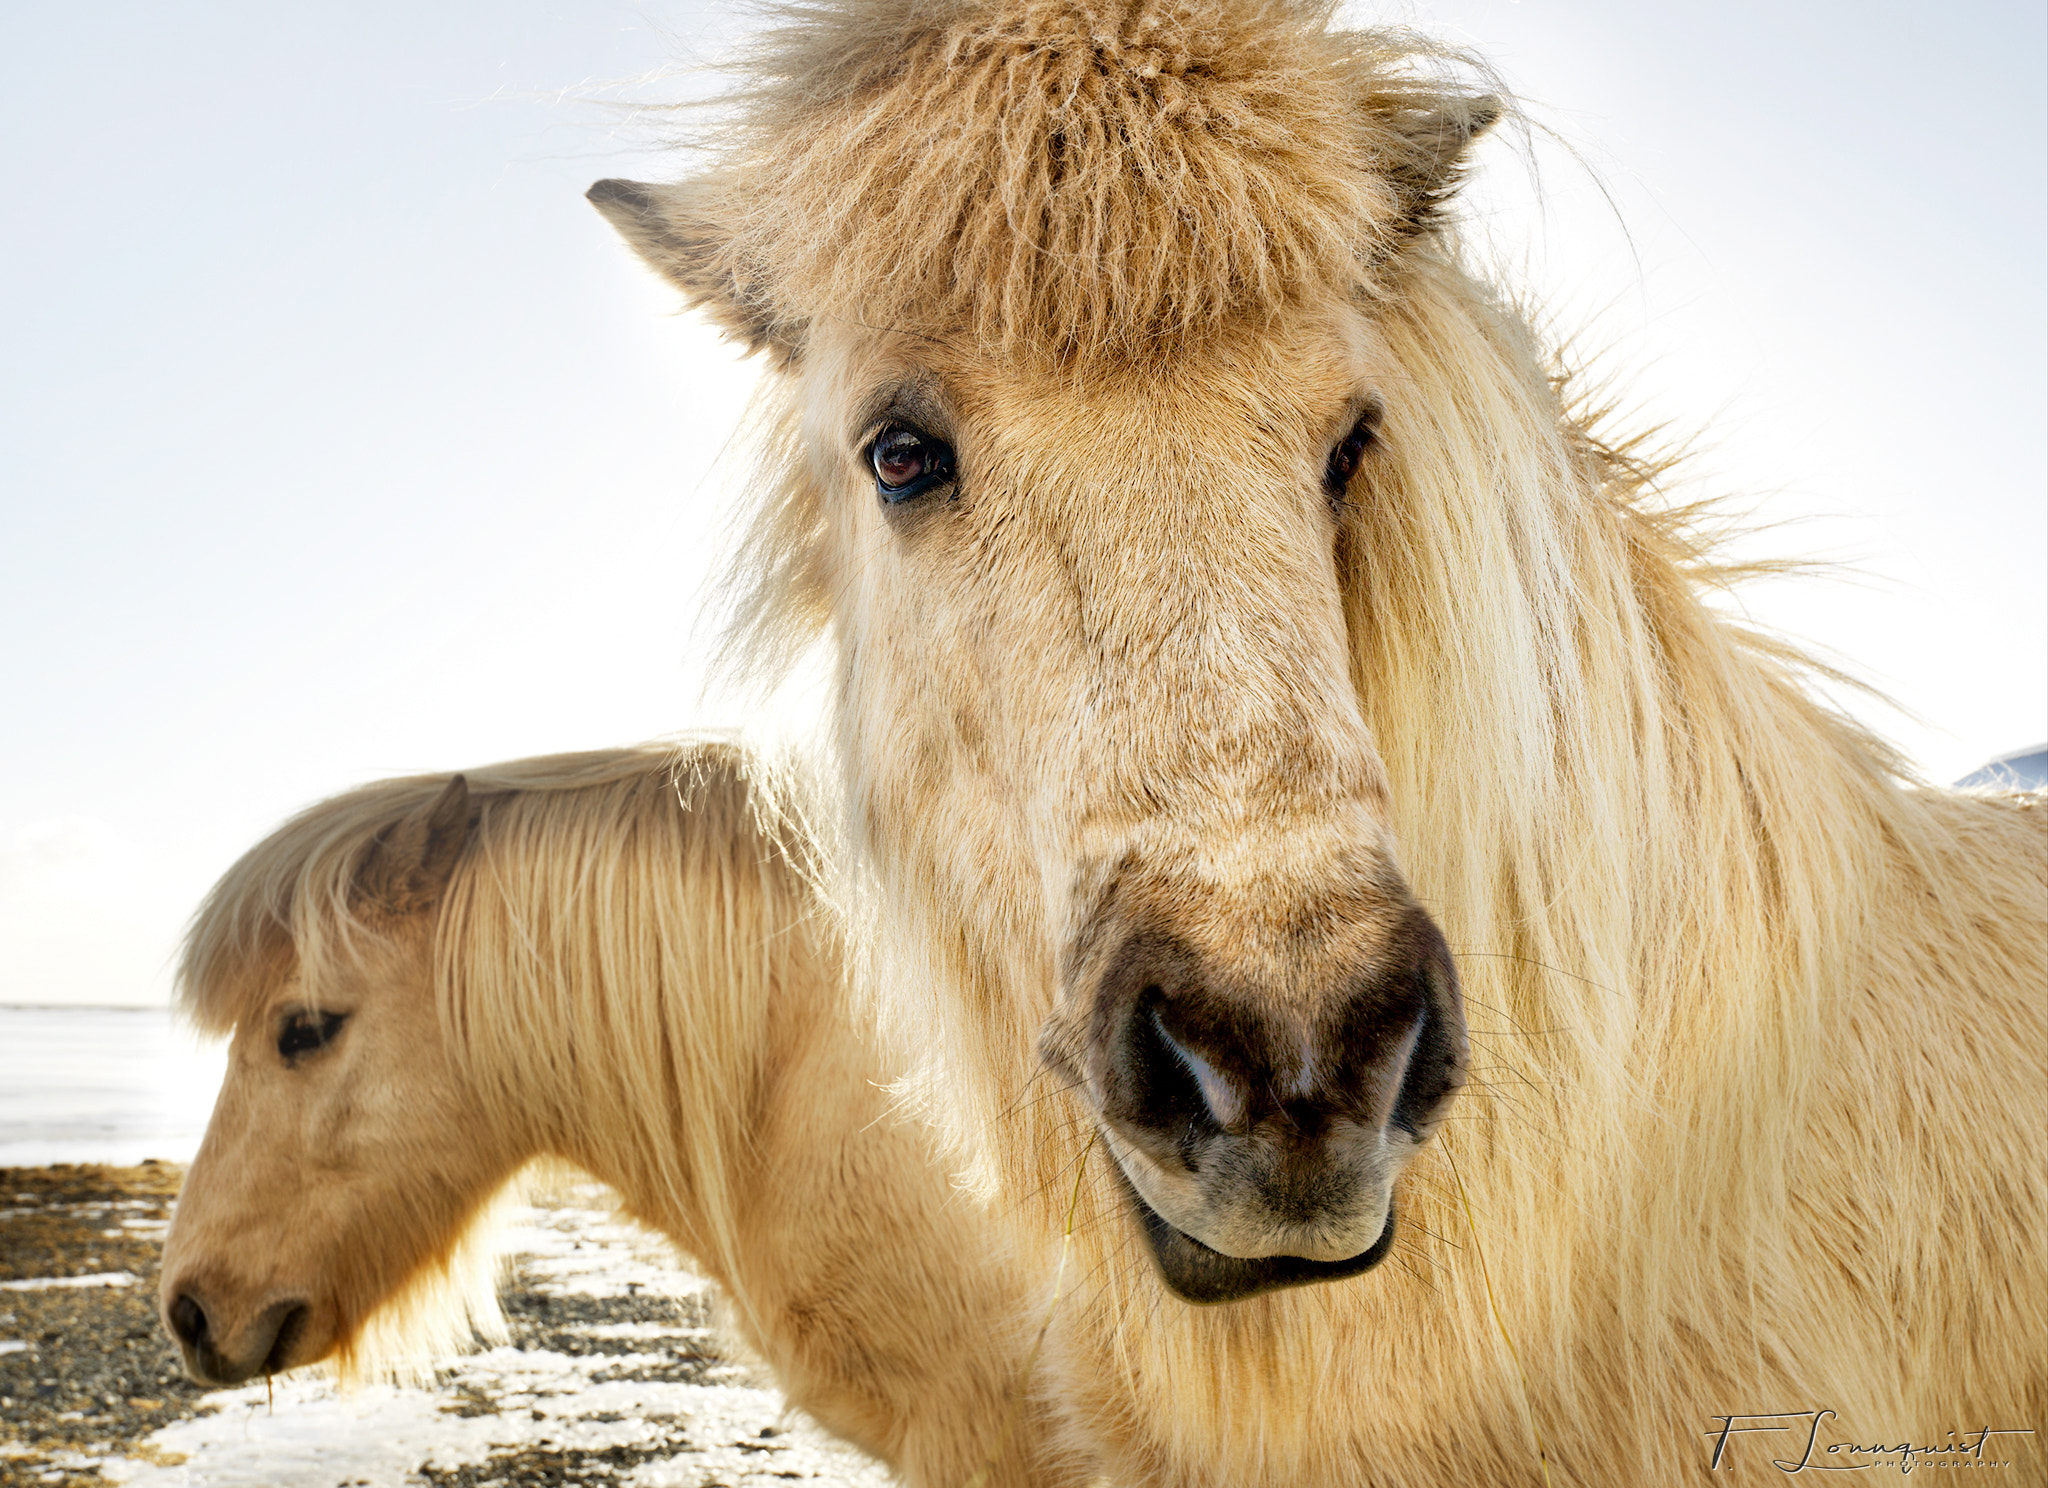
[1465, 1010]
[613, 960]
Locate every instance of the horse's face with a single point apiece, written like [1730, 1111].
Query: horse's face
[342, 1161]
[1097, 713]
[1103, 749]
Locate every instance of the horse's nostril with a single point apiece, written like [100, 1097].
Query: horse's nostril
[1182, 1080]
[188, 1321]
[288, 1330]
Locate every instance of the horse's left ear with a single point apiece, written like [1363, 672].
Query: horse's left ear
[1428, 149]
[410, 863]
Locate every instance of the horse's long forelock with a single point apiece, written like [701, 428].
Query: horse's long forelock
[1079, 178]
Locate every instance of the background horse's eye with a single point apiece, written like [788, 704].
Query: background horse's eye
[1345, 458]
[304, 1032]
[908, 463]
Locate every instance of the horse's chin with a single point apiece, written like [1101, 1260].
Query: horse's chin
[1195, 1273]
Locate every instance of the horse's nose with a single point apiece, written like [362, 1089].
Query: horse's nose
[1259, 1108]
[263, 1346]
[1187, 1051]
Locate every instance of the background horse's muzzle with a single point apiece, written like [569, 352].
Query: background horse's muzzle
[263, 1345]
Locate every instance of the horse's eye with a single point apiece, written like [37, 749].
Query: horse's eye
[908, 462]
[1349, 454]
[302, 1033]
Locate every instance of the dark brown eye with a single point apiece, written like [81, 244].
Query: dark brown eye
[908, 462]
[302, 1033]
[1350, 454]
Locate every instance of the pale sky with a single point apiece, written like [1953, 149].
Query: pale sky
[340, 438]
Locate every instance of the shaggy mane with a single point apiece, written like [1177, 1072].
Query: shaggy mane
[1092, 178]
[290, 898]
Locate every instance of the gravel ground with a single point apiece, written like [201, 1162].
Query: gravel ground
[613, 1374]
[85, 1368]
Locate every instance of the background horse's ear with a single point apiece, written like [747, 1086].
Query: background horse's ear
[410, 863]
[679, 230]
[1428, 149]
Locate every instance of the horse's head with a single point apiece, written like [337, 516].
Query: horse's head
[1076, 315]
[344, 1160]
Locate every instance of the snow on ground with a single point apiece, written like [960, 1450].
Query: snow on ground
[49, 1283]
[614, 1377]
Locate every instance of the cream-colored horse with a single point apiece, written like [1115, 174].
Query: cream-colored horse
[611, 959]
[1263, 706]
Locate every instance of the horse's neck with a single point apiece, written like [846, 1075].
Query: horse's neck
[1586, 755]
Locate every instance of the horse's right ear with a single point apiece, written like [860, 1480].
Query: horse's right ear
[410, 863]
[682, 234]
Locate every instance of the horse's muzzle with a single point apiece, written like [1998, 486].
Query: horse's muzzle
[264, 1345]
[1259, 1128]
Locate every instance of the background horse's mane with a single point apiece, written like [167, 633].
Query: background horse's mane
[292, 896]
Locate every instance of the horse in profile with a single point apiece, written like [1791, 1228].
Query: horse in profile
[1480, 1017]
[1408, 991]
[611, 959]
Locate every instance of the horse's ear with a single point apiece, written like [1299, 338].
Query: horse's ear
[1429, 148]
[408, 867]
[682, 233]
